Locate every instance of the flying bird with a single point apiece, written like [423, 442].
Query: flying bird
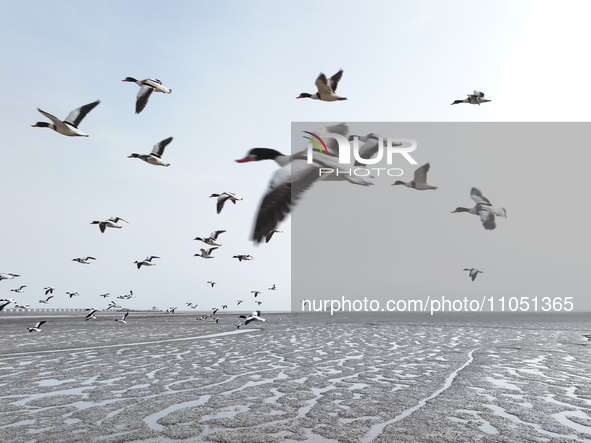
[8, 276]
[20, 289]
[255, 316]
[212, 239]
[241, 257]
[146, 262]
[212, 283]
[154, 157]
[206, 253]
[3, 305]
[90, 315]
[475, 98]
[295, 176]
[69, 126]
[473, 272]
[326, 88]
[147, 86]
[48, 290]
[46, 301]
[72, 294]
[270, 234]
[255, 293]
[273, 288]
[105, 295]
[122, 319]
[420, 179]
[84, 260]
[484, 209]
[222, 198]
[37, 327]
[110, 223]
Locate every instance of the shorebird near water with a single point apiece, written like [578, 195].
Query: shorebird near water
[122, 319]
[37, 327]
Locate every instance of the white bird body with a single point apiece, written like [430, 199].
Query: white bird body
[419, 181]
[109, 223]
[206, 253]
[8, 276]
[37, 327]
[154, 157]
[222, 198]
[296, 175]
[255, 316]
[484, 209]
[46, 301]
[122, 319]
[147, 86]
[69, 126]
[146, 262]
[212, 239]
[475, 98]
[84, 260]
[326, 89]
[20, 289]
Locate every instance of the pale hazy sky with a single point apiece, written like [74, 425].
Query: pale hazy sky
[235, 69]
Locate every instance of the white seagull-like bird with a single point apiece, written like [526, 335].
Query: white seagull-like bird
[46, 301]
[69, 126]
[326, 89]
[484, 209]
[37, 327]
[154, 157]
[147, 86]
[90, 315]
[419, 181]
[8, 276]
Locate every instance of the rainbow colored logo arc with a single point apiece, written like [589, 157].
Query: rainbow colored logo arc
[315, 142]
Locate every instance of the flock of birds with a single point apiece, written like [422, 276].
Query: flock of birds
[287, 185]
